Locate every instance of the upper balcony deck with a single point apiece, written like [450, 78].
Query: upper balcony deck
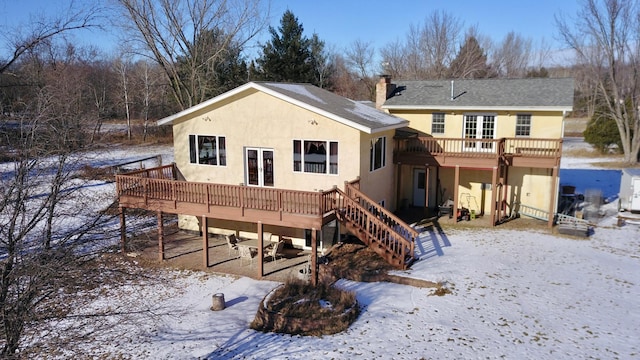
[478, 153]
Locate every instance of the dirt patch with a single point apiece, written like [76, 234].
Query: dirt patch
[353, 260]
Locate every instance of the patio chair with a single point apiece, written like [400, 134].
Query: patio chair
[232, 243]
[275, 251]
[247, 253]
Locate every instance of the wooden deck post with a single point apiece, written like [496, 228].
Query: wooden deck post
[494, 195]
[123, 230]
[427, 172]
[160, 237]
[554, 193]
[314, 257]
[505, 188]
[205, 242]
[456, 185]
[260, 251]
[398, 187]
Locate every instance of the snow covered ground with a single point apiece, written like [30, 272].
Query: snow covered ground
[516, 294]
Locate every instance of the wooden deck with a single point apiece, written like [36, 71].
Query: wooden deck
[158, 190]
[478, 153]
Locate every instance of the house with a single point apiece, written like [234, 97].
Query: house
[492, 146]
[305, 165]
[273, 158]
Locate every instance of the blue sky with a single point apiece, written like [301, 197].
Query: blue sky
[340, 22]
[381, 22]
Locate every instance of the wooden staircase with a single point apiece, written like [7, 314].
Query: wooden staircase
[378, 228]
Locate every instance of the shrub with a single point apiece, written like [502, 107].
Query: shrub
[602, 132]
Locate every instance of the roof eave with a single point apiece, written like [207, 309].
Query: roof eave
[478, 108]
[257, 86]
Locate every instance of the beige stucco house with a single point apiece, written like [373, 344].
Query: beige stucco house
[286, 136]
[304, 165]
[489, 145]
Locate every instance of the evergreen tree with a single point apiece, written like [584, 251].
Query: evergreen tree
[289, 55]
[602, 131]
[471, 61]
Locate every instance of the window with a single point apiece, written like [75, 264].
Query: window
[311, 156]
[523, 125]
[378, 153]
[437, 123]
[208, 150]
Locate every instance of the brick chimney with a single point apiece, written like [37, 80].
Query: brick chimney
[384, 88]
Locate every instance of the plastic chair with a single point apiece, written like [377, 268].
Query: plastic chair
[275, 251]
[232, 243]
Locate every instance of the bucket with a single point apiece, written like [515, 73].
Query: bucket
[217, 302]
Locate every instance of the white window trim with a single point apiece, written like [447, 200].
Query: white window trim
[372, 154]
[328, 162]
[530, 125]
[443, 122]
[217, 150]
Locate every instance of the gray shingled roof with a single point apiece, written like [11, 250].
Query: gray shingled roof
[535, 93]
[356, 114]
[352, 111]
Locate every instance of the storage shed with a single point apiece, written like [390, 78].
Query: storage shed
[630, 190]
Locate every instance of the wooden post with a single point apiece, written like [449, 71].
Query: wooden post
[314, 258]
[554, 193]
[427, 172]
[456, 185]
[494, 195]
[505, 185]
[260, 251]
[205, 242]
[398, 187]
[123, 230]
[160, 237]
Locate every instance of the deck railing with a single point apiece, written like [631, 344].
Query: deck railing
[396, 243]
[145, 185]
[481, 148]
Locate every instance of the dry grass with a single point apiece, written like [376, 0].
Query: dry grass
[575, 126]
[300, 299]
[355, 261]
[300, 308]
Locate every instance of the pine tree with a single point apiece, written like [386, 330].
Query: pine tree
[471, 61]
[288, 56]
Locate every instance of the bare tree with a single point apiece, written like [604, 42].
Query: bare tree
[122, 67]
[513, 56]
[605, 37]
[42, 29]
[393, 62]
[149, 83]
[359, 57]
[168, 30]
[428, 49]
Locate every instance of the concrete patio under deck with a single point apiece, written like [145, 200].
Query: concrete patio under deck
[183, 250]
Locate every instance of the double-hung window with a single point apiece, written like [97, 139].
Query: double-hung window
[378, 153]
[315, 156]
[437, 123]
[523, 125]
[208, 150]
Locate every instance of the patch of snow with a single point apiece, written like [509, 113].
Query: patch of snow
[515, 294]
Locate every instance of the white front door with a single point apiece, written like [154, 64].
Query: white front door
[259, 167]
[479, 127]
[419, 187]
